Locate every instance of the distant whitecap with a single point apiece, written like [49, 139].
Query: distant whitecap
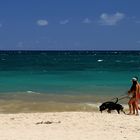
[100, 60]
[29, 91]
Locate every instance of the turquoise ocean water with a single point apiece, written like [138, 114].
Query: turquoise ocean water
[64, 80]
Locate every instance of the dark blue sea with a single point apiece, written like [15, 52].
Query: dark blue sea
[64, 80]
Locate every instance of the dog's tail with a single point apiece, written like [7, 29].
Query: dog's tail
[116, 100]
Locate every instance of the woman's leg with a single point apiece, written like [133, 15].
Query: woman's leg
[131, 106]
[136, 107]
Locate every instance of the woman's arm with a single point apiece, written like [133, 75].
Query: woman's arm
[137, 91]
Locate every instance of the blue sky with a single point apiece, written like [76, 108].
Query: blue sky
[69, 25]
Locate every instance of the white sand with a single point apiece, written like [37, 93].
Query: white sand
[69, 126]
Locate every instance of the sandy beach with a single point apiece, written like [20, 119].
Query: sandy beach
[69, 126]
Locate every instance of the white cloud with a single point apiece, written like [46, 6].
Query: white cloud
[87, 21]
[110, 20]
[63, 22]
[42, 22]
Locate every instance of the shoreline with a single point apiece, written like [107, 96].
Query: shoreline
[17, 106]
[30, 102]
[69, 125]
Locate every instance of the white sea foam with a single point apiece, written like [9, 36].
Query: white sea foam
[29, 91]
[99, 60]
[94, 105]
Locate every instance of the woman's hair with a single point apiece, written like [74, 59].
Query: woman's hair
[136, 78]
[133, 87]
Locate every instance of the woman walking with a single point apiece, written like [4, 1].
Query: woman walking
[134, 92]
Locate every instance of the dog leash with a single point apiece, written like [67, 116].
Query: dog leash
[126, 96]
[123, 97]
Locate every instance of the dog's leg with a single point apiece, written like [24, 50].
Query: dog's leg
[123, 111]
[109, 111]
[118, 111]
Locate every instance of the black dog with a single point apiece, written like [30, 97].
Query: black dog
[111, 106]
